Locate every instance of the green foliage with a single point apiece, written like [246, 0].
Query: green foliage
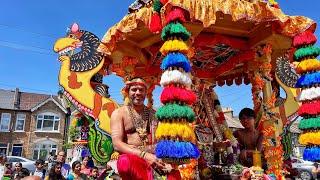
[73, 133]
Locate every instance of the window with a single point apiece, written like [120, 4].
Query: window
[48, 122]
[17, 150]
[42, 150]
[5, 122]
[3, 149]
[20, 122]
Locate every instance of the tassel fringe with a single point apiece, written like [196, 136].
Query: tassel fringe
[175, 29]
[306, 52]
[308, 65]
[175, 77]
[304, 38]
[311, 123]
[174, 130]
[311, 154]
[310, 108]
[155, 25]
[157, 5]
[310, 138]
[178, 60]
[308, 80]
[176, 14]
[175, 112]
[176, 150]
[309, 94]
[174, 46]
[171, 94]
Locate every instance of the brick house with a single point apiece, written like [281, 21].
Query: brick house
[31, 125]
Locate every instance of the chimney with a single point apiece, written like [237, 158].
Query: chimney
[16, 104]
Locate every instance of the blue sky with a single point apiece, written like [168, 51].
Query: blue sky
[28, 30]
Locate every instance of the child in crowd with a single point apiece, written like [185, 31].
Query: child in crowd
[40, 171]
[94, 173]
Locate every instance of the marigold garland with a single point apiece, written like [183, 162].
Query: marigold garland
[174, 45]
[175, 112]
[175, 130]
[172, 94]
[308, 65]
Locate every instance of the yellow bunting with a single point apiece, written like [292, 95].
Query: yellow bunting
[310, 138]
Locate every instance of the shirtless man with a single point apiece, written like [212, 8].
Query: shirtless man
[132, 128]
[249, 138]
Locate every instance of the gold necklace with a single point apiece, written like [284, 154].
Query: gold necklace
[141, 123]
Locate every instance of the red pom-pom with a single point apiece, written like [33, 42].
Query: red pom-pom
[305, 38]
[171, 93]
[133, 167]
[176, 14]
[163, 2]
[309, 108]
[155, 25]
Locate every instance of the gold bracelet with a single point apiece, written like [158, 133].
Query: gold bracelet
[142, 154]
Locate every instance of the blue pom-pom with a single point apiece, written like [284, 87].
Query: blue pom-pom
[308, 80]
[176, 149]
[176, 60]
[311, 154]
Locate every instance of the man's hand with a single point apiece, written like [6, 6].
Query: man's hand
[159, 166]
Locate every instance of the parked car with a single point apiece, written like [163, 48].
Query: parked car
[304, 168]
[26, 163]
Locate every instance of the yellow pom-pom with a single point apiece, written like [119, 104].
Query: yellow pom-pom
[308, 65]
[175, 130]
[310, 138]
[174, 46]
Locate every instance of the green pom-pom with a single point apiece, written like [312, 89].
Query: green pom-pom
[311, 123]
[310, 51]
[175, 29]
[157, 6]
[175, 112]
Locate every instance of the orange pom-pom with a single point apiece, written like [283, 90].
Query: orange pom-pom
[155, 25]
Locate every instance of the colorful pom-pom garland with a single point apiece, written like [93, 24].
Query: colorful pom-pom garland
[175, 130]
[171, 112]
[174, 135]
[309, 67]
[172, 94]
[176, 60]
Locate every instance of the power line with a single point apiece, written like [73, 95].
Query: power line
[26, 48]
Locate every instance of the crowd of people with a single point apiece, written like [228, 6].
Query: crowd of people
[55, 169]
